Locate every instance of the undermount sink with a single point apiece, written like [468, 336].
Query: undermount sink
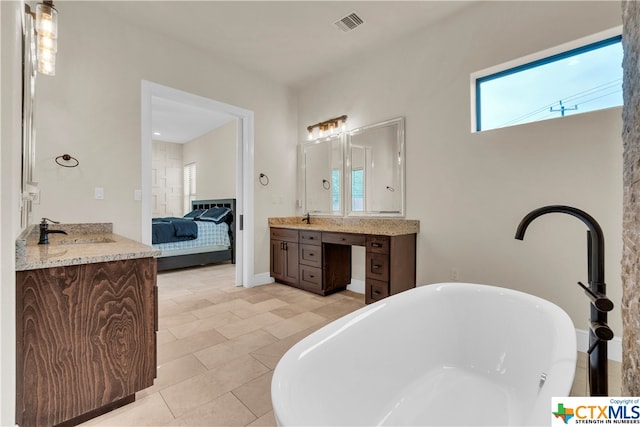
[83, 240]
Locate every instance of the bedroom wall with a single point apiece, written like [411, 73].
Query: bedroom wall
[167, 179]
[470, 190]
[91, 109]
[215, 156]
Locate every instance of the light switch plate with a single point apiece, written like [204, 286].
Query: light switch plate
[99, 193]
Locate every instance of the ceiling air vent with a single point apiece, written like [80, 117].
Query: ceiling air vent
[349, 22]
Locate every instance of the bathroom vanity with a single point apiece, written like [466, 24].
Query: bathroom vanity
[86, 314]
[317, 257]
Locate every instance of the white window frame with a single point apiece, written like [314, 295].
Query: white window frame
[189, 175]
[565, 47]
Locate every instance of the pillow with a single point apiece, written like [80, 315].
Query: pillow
[195, 213]
[217, 214]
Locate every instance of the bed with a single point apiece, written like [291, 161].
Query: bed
[206, 235]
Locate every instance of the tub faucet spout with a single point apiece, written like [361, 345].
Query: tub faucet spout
[600, 332]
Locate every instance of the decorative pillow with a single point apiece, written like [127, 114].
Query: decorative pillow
[195, 213]
[217, 214]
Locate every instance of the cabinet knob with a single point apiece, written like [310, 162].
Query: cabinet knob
[376, 245]
[376, 266]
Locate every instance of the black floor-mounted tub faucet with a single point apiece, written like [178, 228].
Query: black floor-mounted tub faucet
[599, 332]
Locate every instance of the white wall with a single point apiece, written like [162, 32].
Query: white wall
[91, 109]
[10, 161]
[470, 191]
[215, 156]
[167, 179]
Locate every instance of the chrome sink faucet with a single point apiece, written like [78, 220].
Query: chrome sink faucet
[44, 231]
[306, 218]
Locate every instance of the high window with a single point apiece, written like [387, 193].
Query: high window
[572, 81]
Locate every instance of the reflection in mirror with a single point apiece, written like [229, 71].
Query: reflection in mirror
[375, 171]
[28, 188]
[322, 170]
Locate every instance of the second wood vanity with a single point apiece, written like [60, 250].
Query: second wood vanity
[317, 257]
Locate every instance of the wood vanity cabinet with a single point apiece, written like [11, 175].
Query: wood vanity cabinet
[390, 265]
[86, 339]
[284, 255]
[322, 261]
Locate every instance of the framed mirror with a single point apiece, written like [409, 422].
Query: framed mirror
[375, 175]
[321, 171]
[28, 187]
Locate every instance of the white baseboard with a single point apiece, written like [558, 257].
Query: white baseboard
[614, 349]
[356, 286]
[259, 280]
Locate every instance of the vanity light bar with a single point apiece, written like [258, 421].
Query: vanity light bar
[328, 127]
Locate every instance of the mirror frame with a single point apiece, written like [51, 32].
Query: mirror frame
[400, 141]
[302, 184]
[27, 186]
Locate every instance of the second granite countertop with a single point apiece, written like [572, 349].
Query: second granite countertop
[373, 226]
[84, 244]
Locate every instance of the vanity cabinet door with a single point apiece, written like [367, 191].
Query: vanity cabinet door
[85, 338]
[284, 255]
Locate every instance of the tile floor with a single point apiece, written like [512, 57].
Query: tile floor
[218, 345]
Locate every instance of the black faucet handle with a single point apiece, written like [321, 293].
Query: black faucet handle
[44, 221]
[599, 300]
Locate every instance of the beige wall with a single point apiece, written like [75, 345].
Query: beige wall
[470, 191]
[92, 107]
[167, 179]
[215, 156]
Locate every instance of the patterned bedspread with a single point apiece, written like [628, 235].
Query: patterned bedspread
[209, 234]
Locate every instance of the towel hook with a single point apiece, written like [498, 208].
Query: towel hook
[67, 158]
[264, 179]
[326, 184]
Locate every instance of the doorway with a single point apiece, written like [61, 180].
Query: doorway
[244, 168]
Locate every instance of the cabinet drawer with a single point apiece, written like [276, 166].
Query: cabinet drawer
[344, 238]
[378, 244]
[377, 266]
[311, 237]
[311, 255]
[376, 290]
[311, 278]
[285, 234]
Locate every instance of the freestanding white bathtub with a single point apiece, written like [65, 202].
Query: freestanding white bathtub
[445, 354]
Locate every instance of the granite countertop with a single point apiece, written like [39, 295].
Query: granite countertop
[374, 226]
[84, 244]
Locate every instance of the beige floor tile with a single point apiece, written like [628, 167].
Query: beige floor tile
[294, 325]
[222, 307]
[174, 372]
[256, 394]
[339, 308]
[267, 420]
[187, 395]
[190, 344]
[204, 324]
[260, 307]
[234, 348]
[251, 324]
[148, 411]
[225, 410]
[168, 321]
